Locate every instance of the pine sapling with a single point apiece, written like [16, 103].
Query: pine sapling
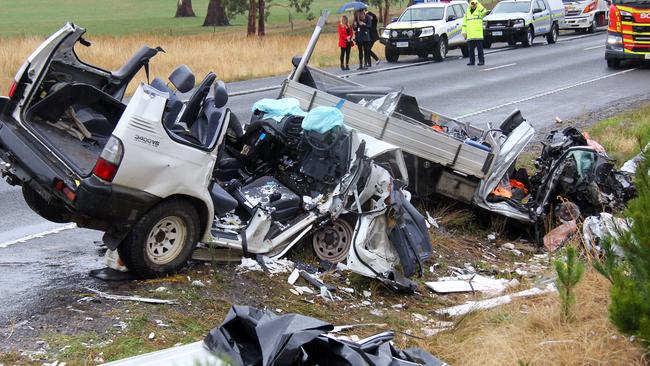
[569, 272]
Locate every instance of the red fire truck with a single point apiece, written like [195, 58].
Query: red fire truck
[628, 34]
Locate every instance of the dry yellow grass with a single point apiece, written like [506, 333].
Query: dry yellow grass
[231, 56]
[531, 333]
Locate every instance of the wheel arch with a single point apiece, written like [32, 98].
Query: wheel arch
[201, 209]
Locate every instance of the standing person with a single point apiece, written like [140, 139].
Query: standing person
[345, 42]
[473, 31]
[362, 37]
[374, 36]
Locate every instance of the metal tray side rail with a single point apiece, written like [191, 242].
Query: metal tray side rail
[414, 138]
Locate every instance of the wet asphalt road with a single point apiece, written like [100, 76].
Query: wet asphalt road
[41, 262]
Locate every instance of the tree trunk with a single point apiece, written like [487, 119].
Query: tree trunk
[184, 9]
[252, 17]
[261, 19]
[216, 15]
[381, 14]
[386, 12]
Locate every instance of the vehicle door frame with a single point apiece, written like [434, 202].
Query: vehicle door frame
[542, 21]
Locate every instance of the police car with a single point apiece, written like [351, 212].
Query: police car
[424, 29]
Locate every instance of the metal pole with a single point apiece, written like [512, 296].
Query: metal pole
[310, 46]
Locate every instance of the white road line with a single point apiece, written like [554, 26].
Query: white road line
[544, 94]
[38, 235]
[498, 67]
[594, 47]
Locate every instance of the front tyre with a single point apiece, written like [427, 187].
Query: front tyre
[392, 55]
[440, 49]
[528, 37]
[162, 241]
[551, 37]
[613, 63]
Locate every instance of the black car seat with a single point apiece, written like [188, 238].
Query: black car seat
[183, 80]
[193, 106]
[211, 127]
[267, 192]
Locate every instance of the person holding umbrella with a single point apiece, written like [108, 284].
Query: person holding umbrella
[361, 25]
[345, 42]
[374, 36]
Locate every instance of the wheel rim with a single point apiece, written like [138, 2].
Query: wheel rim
[530, 37]
[443, 48]
[554, 35]
[333, 242]
[166, 239]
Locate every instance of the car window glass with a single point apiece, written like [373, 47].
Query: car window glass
[459, 11]
[541, 5]
[511, 7]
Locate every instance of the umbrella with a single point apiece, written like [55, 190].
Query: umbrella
[352, 5]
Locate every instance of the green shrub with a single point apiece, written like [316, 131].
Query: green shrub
[569, 272]
[630, 276]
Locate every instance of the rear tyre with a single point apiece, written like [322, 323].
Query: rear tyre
[162, 241]
[528, 37]
[551, 37]
[613, 63]
[440, 49]
[392, 55]
[592, 27]
[51, 211]
[464, 51]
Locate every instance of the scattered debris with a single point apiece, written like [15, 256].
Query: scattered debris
[293, 277]
[272, 266]
[288, 338]
[152, 335]
[367, 293]
[492, 237]
[596, 228]
[161, 289]
[197, 283]
[558, 236]
[470, 283]
[131, 298]
[472, 306]
[508, 246]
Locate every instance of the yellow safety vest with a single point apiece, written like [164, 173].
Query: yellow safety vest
[473, 22]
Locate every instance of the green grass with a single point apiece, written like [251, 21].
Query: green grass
[624, 134]
[118, 17]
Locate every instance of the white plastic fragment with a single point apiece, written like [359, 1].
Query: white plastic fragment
[197, 283]
[469, 283]
[472, 306]
[367, 293]
[131, 298]
[152, 335]
[293, 277]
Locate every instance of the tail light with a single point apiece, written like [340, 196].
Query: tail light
[109, 160]
[59, 185]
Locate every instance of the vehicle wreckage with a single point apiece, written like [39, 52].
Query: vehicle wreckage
[159, 175]
[328, 160]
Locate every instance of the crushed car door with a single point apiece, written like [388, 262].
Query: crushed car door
[507, 155]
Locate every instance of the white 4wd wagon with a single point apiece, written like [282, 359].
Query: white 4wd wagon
[425, 29]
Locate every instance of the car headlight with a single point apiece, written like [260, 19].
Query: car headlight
[385, 33]
[393, 34]
[427, 32]
[518, 23]
[627, 16]
[614, 42]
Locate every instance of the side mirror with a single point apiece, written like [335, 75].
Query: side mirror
[451, 17]
[537, 10]
[394, 19]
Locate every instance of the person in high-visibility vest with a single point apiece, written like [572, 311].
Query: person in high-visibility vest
[473, 31]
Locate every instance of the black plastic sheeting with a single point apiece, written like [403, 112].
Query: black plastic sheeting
[254, 337]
